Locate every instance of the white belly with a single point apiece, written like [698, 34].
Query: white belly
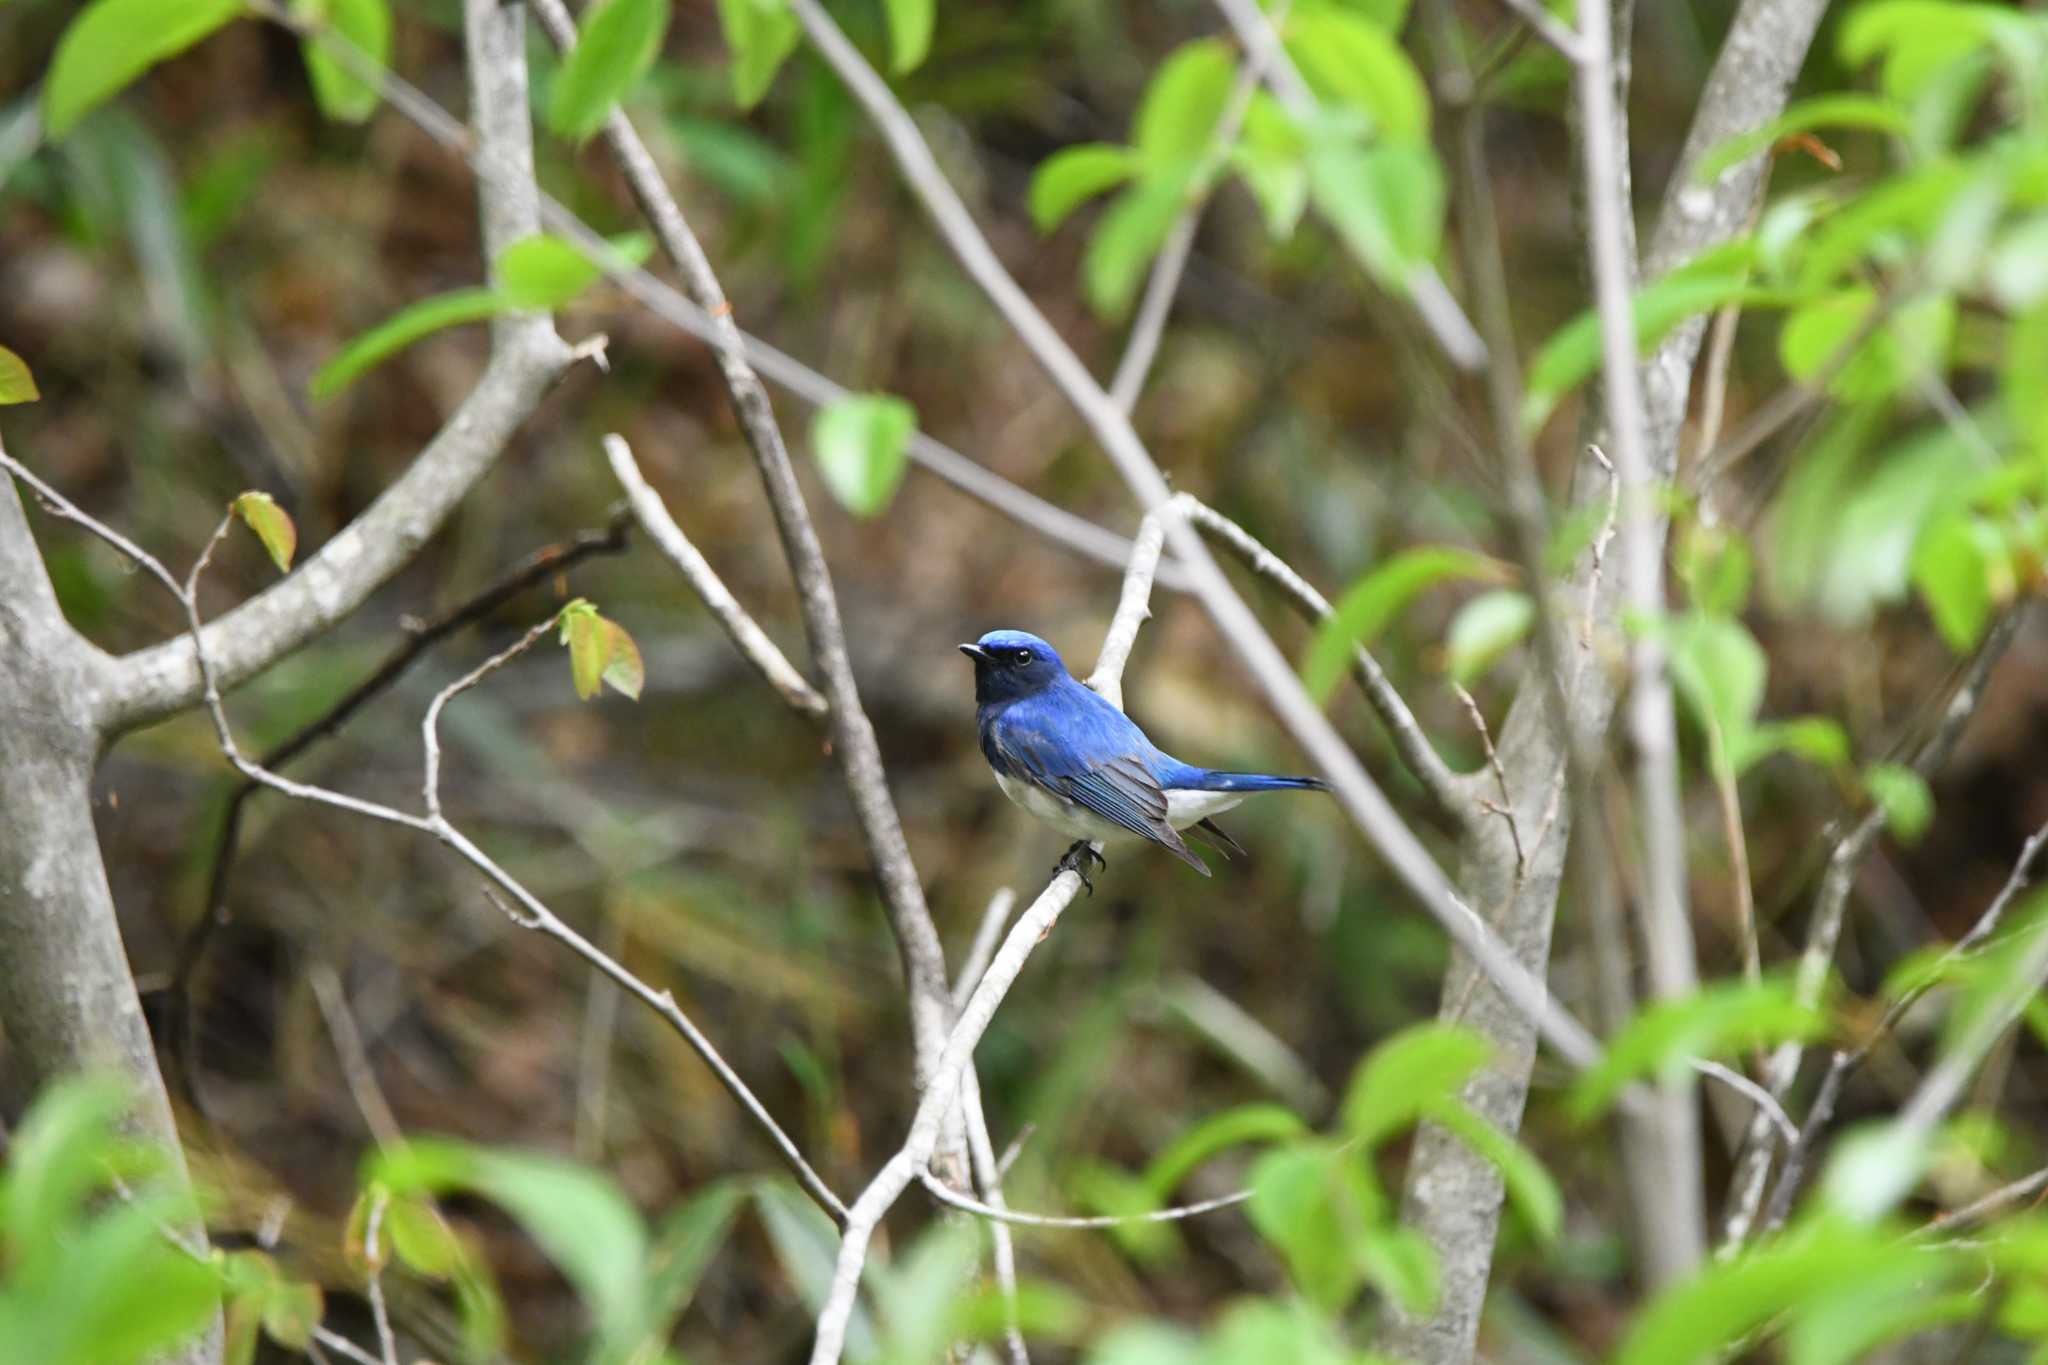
[1183, 808]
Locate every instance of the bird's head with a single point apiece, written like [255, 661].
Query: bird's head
[1009, 664]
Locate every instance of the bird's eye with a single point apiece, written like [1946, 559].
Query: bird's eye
[1023, 656]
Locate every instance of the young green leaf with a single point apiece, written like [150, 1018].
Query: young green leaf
[1904, 795]
[1386, 203]
[1912, 341]
[1314, 1203]
[1408, 1073]
[623, 669]
[862, 444]
[1484, 629]
[291, 1310]
[1713, 563]
[589, 644]
[421, 1238]
[1177, 118]
[1822, 111]
[1664, 1039]
[683, 1249]
[272, 525]
[17, 385]
[910, 32]
[578, 1216]
[111, 42]
[1370, 605]
[761, 34]
[1720, 670]
[1819, 740]
[1964, 570]
[1872, 1168]
[1272, 160]
[615, 44]
[1350, 61]
[543, 272]
[1716, 277]
[1231, 1128]
[1073, 175]
[341, 94]
[401, 330]
[1126, 239]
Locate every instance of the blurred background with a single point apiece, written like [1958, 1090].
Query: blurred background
[177, 269]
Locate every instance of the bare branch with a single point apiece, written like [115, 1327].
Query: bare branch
[984, 946]
[1361, 799]
[1546, 26]
[371, 1231]
[1176, 1214]
[353, 1056]
[526, 357]
[1824, 929]
[1666, 924]
[753, 642]
[1767, 1105]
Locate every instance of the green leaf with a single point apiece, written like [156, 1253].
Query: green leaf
[1073, 175]
[1484, 629]
[862, 444]
[1714, 278]
[1103, 1189]
[421, 1238]
[1177, 117]
[1719, 668]
[1913, 341]
[1370, 605]
[272, 525]
[1907, 802]
[1964, 571]
[1126, 239]
[1713, 563]
[401, 330]
[1316, 1204]
[1270, 1331]
[1872, 1168]
[340, 93]
[111, 42]
[1143, 1341]
[1697, 1319]
[805, 1244]
[543, 272]
[1231, 1128]
[55, 1159]
[2017, 271]
[1386, 203]
[915, 1296]
[17, 385]
[1718, 1020]
[615, 44]
[578, 1216]
[589, 643]
[683, 1249]
[1408, 1074]
[761, 34]
[1817, 739]
[1803, 116]
[1529, 1186]
[291, 1310]
[910, 31]
[2023, 378]
[1353, 62]
[624, 671]
[1272, 160]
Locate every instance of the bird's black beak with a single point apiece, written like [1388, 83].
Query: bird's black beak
[975, 652]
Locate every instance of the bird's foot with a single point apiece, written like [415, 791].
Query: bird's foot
[1076, 860]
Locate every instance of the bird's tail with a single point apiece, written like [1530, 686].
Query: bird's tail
[1207, 781]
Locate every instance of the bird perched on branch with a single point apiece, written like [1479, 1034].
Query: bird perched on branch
[1063, 752]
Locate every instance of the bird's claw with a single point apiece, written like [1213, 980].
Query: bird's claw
[1076, 860]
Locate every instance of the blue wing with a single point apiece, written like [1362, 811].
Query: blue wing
[1083, 749]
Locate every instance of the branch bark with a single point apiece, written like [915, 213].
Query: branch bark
[1452, 1197]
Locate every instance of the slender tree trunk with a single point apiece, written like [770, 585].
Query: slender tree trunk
[67, 997]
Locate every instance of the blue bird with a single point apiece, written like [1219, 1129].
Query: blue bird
[1063, 752]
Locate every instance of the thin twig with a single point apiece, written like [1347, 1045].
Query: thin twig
[335, 1341]
[371, 1254]
[1506, 808]
[1989, 1206]
[1546, 26]
[954, 1198]
[354, 1057]
[984, 946]
[533, 914]
[1673, 969]
[1730, 799]
[1766, 1103]
[753, 642]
